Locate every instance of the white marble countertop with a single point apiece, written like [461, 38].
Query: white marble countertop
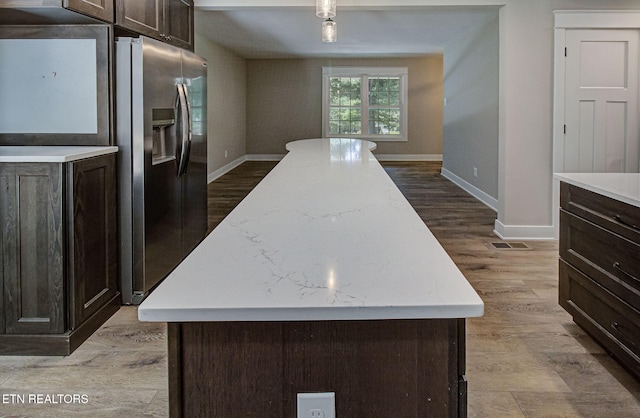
[624, 187]
[50, 154]
[326, 235]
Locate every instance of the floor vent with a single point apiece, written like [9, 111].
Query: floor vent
[509, 246]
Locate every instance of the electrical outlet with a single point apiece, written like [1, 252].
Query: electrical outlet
[317, 405]
[475, 171]
[316, 413]
[225, 153]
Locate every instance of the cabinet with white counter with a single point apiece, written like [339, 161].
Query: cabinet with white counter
[600, 259]
[323, 279]
[58, 247]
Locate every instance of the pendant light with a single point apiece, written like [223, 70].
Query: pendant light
[326, 9]
[329, 31]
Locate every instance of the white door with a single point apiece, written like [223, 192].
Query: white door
[601, 101]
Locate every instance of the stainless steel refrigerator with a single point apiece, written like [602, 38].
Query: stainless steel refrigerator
[161, 132]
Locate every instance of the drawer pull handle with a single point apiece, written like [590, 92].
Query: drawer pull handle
[616, 265]
[618, 218]
[615, 325]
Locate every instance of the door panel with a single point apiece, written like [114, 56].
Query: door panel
[32, 246]
[162, 194]
[195, 179]
[178, 22]
[142, 16]
[615, 137]
[92, 248]
[601, 102]
[102, 9]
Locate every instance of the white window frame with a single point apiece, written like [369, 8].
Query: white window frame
[365, 72]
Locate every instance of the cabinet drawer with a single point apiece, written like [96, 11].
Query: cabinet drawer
[619, 217]
[609, 259]
[609, 320]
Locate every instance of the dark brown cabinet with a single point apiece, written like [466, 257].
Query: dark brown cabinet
[58, 254]
[92, 252]
[100, 9]
[170, 21]
[56, 11]
[600, 270]
[32, 248]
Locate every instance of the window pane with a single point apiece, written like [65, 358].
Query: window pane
[334, 114]
[384, 121]
[384, 91]
[344, 91]
[356, 118]
[334, 91]
[345, 120]
[394, 98]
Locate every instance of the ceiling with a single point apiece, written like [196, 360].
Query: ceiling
[291, 32]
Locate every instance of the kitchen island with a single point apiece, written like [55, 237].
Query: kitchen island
[323, 279]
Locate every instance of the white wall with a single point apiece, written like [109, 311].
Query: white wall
[470, 122]
[226, 106]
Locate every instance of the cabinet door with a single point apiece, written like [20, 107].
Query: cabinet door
[178, 23]
[140, 16]
[100, 9]
[92, 240]
[32, 238]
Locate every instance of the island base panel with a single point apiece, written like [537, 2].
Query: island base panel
[404, 368]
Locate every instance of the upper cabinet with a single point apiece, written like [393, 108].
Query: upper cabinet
[140, 16]
[43, 12]
[56, 84]
[100, 9]
[178, 22]
[170, 21]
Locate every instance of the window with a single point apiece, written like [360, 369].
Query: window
[365, 102]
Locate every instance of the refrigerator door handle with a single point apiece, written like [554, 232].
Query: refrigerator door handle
[184, 144]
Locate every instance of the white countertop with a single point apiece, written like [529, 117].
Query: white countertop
[50, 154]
[624, 187]
[326, 235]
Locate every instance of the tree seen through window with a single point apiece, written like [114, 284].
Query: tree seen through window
[366, 105]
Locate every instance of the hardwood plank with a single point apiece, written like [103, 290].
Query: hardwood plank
[226, 192]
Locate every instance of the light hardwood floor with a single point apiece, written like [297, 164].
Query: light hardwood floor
[525, 357]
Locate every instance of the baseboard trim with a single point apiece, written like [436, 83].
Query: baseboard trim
[483, 197]
[524, 232]
[264, 157]
[214, 175]
[408, 157]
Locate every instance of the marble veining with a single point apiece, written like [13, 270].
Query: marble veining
[326, 235]
[624, 187]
